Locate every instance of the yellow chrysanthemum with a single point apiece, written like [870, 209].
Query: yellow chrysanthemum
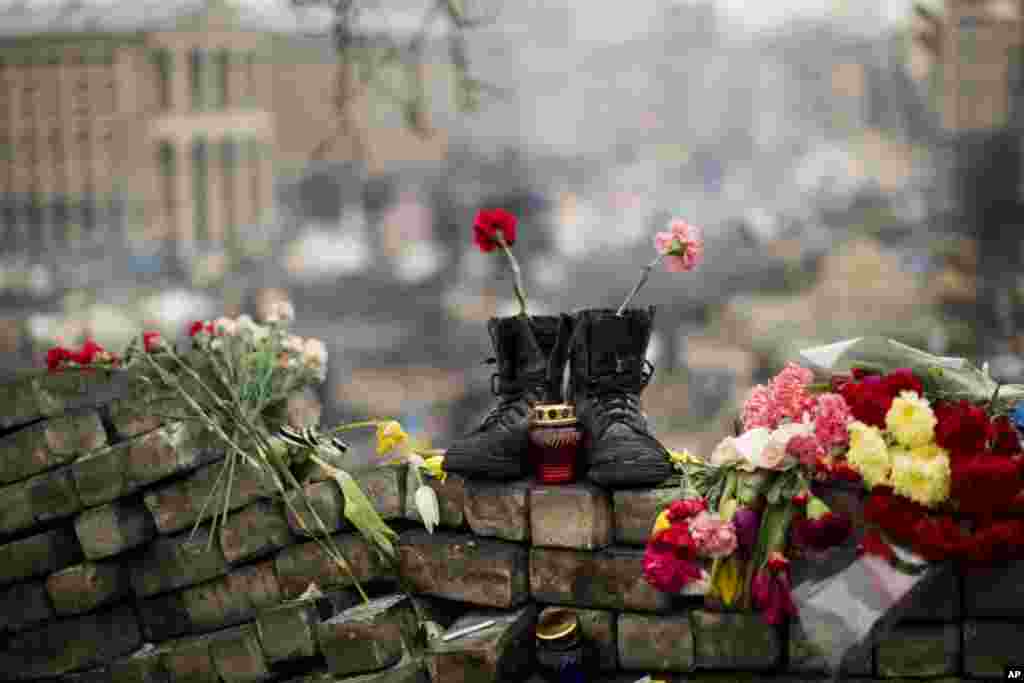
[924, 480]
[911, 420]
[390, 435]
[661, 523]
[434, 465]
[929, 450]
[868, 454]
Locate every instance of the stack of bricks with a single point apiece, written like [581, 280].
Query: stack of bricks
[101, 580]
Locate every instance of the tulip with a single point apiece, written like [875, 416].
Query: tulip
[434, 466]
[390, 435]
[426, 504]
[747, 523]
[771, 590]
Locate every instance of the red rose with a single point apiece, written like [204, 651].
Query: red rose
[872, 544]
[983, 484]
[902, 379]
[487, 225]
[56, 357]
[1005, 440]
[195, 328]
[962, 429]
[681, 510]
[869, 399]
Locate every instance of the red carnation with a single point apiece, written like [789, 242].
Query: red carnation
[999, 541]
[841, 471]
[937, 538]
[487, 225]
[56, 357]
[681, 510]
[1005, 440]
[195, 328]
[87, 354]
[823, 533]
[983, 484]
[869, 399]
[902, 379]
[896, 515]
[677, 538]
[872, 544]
[151, 341]
[667, 572]
[962, 428]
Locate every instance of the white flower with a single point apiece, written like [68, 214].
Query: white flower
[426, 504]
[750, 446]
[314, 354]
[281, 311]
[725, 453]
[773, 455]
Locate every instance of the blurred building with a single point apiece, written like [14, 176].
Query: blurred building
[167, 121]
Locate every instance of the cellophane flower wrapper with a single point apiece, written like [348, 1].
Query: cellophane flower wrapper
[946, 377]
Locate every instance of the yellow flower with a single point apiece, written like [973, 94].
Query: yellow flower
[924, 479]
[683, 457]
[661, 523]
[868, 454]
[390, 435]
[434, 466]
[911, 420]
[726, 581]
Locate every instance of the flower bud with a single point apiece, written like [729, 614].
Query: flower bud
[801, 498]
[816, 508]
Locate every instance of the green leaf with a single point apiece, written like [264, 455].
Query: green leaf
[361, 513]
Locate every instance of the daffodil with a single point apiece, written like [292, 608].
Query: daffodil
[426, 504]
[434, 466]
[684, 457]
[390, 436]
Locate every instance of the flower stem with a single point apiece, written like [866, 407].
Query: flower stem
[643, 281]
[520, 290]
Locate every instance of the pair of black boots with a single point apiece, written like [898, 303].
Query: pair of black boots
[609, 370]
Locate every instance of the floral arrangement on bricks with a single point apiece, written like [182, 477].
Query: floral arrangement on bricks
[230, 382]
[931, 443]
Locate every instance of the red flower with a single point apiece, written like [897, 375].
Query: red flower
[88, 353]
[681, 510]
[195, 328]
[841, 471]
[823, 533]
[896, 515]
[678, 539]
[1005, 440]
[802, 497]
[56, 357]
[488, 223]
[869, 399]
[962, 428]
[872, 544]
[771, 591]
[667, 572]
[937, 538]
[902, 379]
[151, 341]
[983, 484]
[1002, 540]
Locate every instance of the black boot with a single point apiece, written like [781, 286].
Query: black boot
[497, 449]
[609, 371]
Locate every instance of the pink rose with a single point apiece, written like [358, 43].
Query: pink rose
[714, 536]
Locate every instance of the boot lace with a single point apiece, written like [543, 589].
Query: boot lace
[615, 398]
[512, 400]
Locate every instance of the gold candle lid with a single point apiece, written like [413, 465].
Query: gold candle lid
[553, 415]
[556, 622]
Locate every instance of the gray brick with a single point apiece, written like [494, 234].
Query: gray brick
[574, 516]
[41, 498]
[499, 510]
[299, 565]
[655, 642]
[175, 562]
[256, 530]
[84, 587]
[113, 528]
[734, 641]
[609, 579]
[38, 555]
[498, 653]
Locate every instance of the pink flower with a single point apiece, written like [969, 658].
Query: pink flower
[668, 573]
[789, 390]
[759, 409]
[831, 415]
[683, 246]
[806, 448]
[714, 536]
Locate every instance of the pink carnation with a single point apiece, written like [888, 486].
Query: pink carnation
[789, 390]
[759, 410]
[805, 448]
[682, 246]
[714, 536]
[831, 416]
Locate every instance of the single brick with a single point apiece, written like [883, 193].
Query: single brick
[635, 511]
[175, 562]
[734, 641]
[299, 565]
[84, 587]
[575, 516]
[41, 498]
[126, 467]
[451, 498]
[177, 505]
[995, 592]
[189, 659]
[288, 630]
[139, 414]
[238, 656]
[386, 489]
[655, 642]
[990, 647]
[480, 571]
[497, 653]
[807, 656]
[24, 605]
[37, 555]
[919, 651]
[367, 637]
[70, 436]
[256, 530]
[609, 579]
[500, 510]
[231, 599]
[113, 528]
[71, 644]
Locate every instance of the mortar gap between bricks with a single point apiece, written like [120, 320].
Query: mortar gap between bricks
[38, 528]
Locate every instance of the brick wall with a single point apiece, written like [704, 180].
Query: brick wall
[98, 581]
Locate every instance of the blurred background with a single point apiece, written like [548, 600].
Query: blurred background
[856, 168]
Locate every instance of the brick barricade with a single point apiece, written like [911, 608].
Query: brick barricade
[101, 578]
